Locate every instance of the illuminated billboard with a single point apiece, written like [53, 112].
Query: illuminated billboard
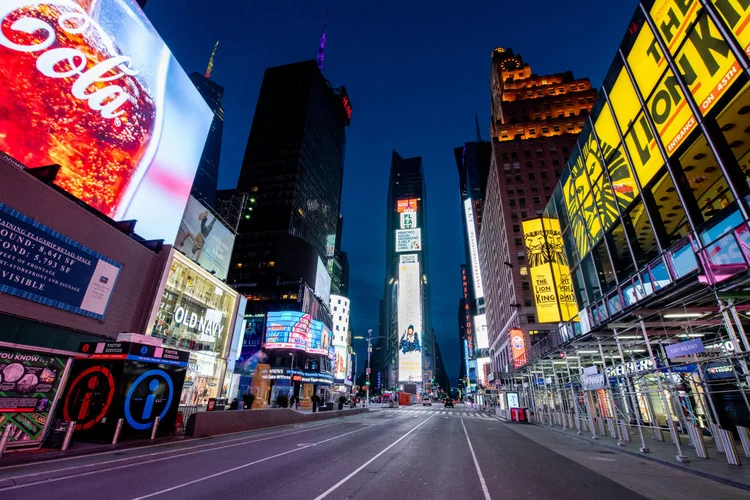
[341, 364]
[322, 282]
[319, 339]
[92, 87]
[518, 347]
[409, 205]
[480, 324]
[205, 240]
[473, 249]
[484, 367]
[409, 323]
[468, 322]
[408, 220]
[287, 330]
[548, 268]
[408, 259]
[408, 240]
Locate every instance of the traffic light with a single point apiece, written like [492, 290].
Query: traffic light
[367, 382]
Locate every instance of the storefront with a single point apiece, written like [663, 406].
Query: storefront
[197, 312]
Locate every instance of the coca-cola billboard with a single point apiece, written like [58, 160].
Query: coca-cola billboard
[90, 85]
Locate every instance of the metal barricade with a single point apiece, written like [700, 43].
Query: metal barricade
[745, 438]
[183, 414]
[727, 442]
[715, 433]
[696, 437]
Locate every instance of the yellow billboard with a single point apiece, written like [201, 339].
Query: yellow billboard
[736, 14]
[548, 267]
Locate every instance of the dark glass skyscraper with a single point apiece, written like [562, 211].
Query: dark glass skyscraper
[406, 237]
[207, 176]
[292, 171]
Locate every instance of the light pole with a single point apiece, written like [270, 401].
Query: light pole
[369, 340]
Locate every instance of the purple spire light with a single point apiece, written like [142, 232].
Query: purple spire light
[322, 49]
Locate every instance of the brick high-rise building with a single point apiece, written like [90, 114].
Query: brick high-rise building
[535, 121]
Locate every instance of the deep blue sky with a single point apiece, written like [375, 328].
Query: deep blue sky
[416, 72]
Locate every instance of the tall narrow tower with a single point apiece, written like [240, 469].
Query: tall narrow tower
[207, 176]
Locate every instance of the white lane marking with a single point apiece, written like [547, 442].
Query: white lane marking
[259, 432]
[54, 480]
[233, 469]
[476, 464]
[336, 486]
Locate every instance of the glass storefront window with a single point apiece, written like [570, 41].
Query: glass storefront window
[591, 276]
[647, 287]
[615, 302]
[660, 275]
[628, 293]
[708, 184]
[603, 267]
[620, 250]
[196, 313]
[580, 289]
[683, 260]
[645, 244]
[570, 248]
[721, 227]
[669, 209]
[734, 123]
[725, 258]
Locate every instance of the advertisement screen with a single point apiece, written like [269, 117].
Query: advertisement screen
[518, 347]
[473, 249]
[341, 364]
[287, 330]
[330, 245]
[468, 322]
[483, 370]
[408, 259]
[205, 240]
[28, 384]
[322, 282]
[408, 240]
[92, 87]
[407, 205]
[480, 323]
[38, 263]
[409, 323]
[319, 339]
[548, 267]
[408, 220]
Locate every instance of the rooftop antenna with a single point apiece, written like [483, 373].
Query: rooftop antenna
[322, 49]
[210, 67]
[479, 134]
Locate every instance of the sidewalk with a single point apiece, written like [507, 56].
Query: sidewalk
[715, 468]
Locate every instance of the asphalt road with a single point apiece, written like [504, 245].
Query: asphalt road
[431, 453]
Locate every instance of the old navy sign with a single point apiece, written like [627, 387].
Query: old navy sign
[692, 346]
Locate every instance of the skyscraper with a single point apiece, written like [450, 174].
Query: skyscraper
[473, 162]
[292, 171]
[535, 120]
[405, 309]
[207, 176]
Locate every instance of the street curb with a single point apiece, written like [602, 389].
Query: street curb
[705, 475]
[26, 458]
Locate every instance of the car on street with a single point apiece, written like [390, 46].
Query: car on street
[426, 401]
[448, 403]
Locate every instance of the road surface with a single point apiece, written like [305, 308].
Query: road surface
[405, 453]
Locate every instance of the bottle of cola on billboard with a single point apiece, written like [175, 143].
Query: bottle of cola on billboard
[81, 85]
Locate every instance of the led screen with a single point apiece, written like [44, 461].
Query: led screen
[409, 324]
[480, 323]
[287, 330]
[205, 240]
[408, 240]
[92, 87]
[319, 339]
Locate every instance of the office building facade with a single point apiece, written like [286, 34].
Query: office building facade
[534, 123]
[207, 175]
[652, 212]
[407, 346]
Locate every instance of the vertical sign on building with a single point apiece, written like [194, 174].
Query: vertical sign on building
[550, 275]
[409, 323]
[471, 229]
[468, 323]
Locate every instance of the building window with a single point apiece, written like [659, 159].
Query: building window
[525, 286]
[537, 199]
[519, 242]
[522, 202]
[530, 318]
[512, 202]
[521, 256]
[516, 228]
[532, 176]
[527, 303]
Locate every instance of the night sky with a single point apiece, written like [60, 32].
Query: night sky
[416, 72]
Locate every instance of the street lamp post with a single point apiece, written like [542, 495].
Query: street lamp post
[369, 340]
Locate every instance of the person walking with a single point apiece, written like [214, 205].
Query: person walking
[315, 400]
